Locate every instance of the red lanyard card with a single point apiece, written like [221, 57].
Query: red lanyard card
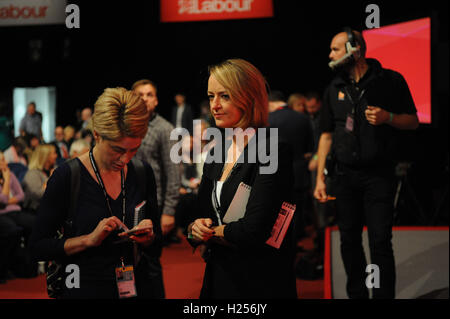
[125, 282]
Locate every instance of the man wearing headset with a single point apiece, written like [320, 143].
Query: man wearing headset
[363, 108]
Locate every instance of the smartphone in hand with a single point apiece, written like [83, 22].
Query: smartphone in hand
[137, 231]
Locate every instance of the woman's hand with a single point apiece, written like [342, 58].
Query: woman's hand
[103, 229]
[201, 229]
[146, 238]
[5, 171]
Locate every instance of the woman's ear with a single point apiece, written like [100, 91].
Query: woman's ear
[96, 136]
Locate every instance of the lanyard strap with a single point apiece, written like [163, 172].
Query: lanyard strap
[354, 103]
[100, 181]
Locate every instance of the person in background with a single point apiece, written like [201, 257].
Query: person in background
[296, 102]
[155, 150]
[61, 147]
[31, 123]
[294, 129]
[32, 143]
[40, 168]
[182, 113]
[69, 135]
[79, 147]
[14, 222]
[86, 115]
[15, 153]
[205, 114]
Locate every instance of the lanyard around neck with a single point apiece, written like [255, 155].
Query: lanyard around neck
[100, 181]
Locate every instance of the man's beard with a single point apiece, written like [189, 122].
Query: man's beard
[345, 66]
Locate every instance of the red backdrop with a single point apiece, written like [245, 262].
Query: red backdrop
[405, 47]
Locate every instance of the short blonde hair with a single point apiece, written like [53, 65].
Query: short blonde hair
[295, 97]
[40, 156]
[119, 113]
[247, 89]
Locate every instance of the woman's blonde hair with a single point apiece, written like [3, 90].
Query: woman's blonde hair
[247, 89]
[119, 113]
[40, 156]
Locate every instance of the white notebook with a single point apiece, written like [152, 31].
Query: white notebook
[236, 210]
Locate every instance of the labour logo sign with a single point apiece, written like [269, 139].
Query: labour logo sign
[200, 10]
[32, 12]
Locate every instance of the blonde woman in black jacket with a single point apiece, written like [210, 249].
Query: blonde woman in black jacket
[239, 262]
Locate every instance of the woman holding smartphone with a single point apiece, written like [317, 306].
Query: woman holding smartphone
[108, 195]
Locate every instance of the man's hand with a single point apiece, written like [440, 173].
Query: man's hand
[376, 115]
[167, 223]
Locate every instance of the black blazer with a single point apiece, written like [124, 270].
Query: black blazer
[249, 268]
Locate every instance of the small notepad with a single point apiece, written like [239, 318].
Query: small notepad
[236, 210]
[281, 225]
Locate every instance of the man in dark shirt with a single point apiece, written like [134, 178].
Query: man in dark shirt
[363, 109]
[182, 114]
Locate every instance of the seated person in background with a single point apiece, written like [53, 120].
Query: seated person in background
[61, 146]
[32, 142]
[15, 158]
[42, 164]
[13, 221]
[87, 135]
[15, 153]
[69, 135]
[79, 147]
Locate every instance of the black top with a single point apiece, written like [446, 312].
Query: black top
[96, 264]
[250, 268]
[295, 129]
[186, 118]
[367, 145]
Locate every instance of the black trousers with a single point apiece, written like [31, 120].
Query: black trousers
[365, 197]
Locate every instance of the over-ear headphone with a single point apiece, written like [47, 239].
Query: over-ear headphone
[351, 43]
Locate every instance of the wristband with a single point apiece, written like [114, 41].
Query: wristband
[315, 157]
[391, 117]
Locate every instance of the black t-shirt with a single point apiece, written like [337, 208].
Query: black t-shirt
[367, 145]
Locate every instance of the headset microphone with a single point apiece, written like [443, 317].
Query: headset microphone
[338, 62]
